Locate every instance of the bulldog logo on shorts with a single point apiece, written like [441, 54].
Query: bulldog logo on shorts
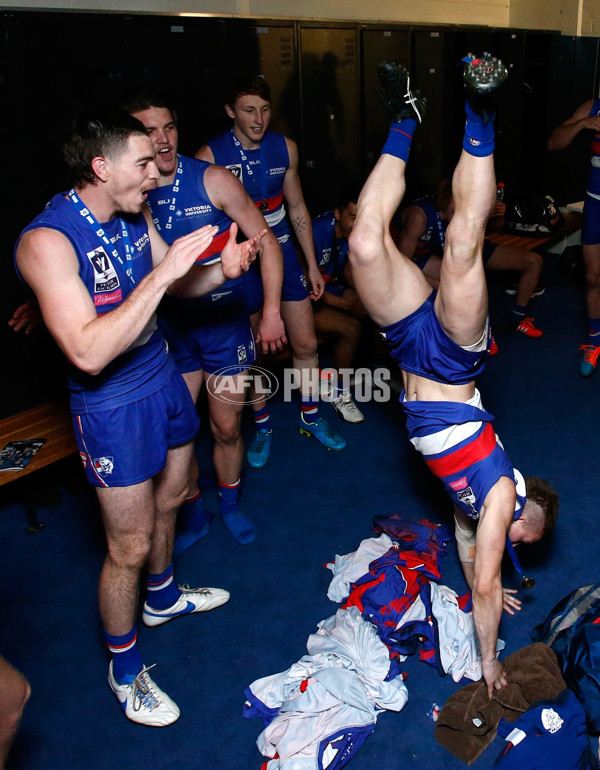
[242, 355]
[104, 465]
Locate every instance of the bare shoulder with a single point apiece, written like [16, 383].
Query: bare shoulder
[205, 153]
[292, 149]
[43, 244]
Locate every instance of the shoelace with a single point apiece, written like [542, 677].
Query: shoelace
[142, 692]
[591, 353]
[186, 589]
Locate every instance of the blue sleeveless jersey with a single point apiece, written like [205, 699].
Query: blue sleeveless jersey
[269, 164]
[460, 447]
[193, 209]
[331, 252]
[433, 239]
[146, 367]
[594, 180]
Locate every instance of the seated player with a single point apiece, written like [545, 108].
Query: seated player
[339, 314]
[423, 237]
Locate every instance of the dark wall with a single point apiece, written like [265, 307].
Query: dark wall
[323, 77]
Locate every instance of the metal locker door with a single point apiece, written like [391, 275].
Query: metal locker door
[382, 44]
[270, 51]
[330, 158]
[438, 76]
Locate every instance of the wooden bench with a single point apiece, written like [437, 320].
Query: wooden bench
[51, 421]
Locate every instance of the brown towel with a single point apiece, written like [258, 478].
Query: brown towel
[532, 673]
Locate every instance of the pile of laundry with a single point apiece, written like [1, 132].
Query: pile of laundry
[320, 711]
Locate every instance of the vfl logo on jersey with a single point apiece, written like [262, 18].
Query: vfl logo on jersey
[104, 466]
[326, 256]
[236, 170]
[468, 498]
[242, 354]
[105, 275]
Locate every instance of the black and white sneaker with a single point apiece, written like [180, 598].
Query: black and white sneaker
[396, 95]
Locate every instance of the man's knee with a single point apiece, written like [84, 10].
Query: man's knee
[532, 261]
[130, 550]
[304, 343]
[226, 429]
[16, 691]
[592, 275]
[366, 241]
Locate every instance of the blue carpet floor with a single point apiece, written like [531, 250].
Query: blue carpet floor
[309, 505]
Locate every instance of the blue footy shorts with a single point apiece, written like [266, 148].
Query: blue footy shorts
[590, 234]
[128, 444]
[210, 334]
[295, 284]
[488, 249]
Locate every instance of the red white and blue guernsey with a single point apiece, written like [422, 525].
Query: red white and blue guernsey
[262, 172]
[213, 331]
[456, 439]
[146, 366]
[331, 252]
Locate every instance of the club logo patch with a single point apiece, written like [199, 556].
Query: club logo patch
[551, 720]
[104, 465]
[467, 497]
[105, 275]
[242, 354]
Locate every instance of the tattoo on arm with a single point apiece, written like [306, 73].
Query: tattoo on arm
[299, 224]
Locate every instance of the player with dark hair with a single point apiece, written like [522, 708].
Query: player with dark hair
[587, 118]
[98, 269]
[211, 337]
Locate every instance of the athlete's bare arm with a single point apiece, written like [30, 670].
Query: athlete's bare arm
[236, 258]
[49, 265]
[492, 529]
[301, 221]
[563, 135]
[228, 193]
[205, 153]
